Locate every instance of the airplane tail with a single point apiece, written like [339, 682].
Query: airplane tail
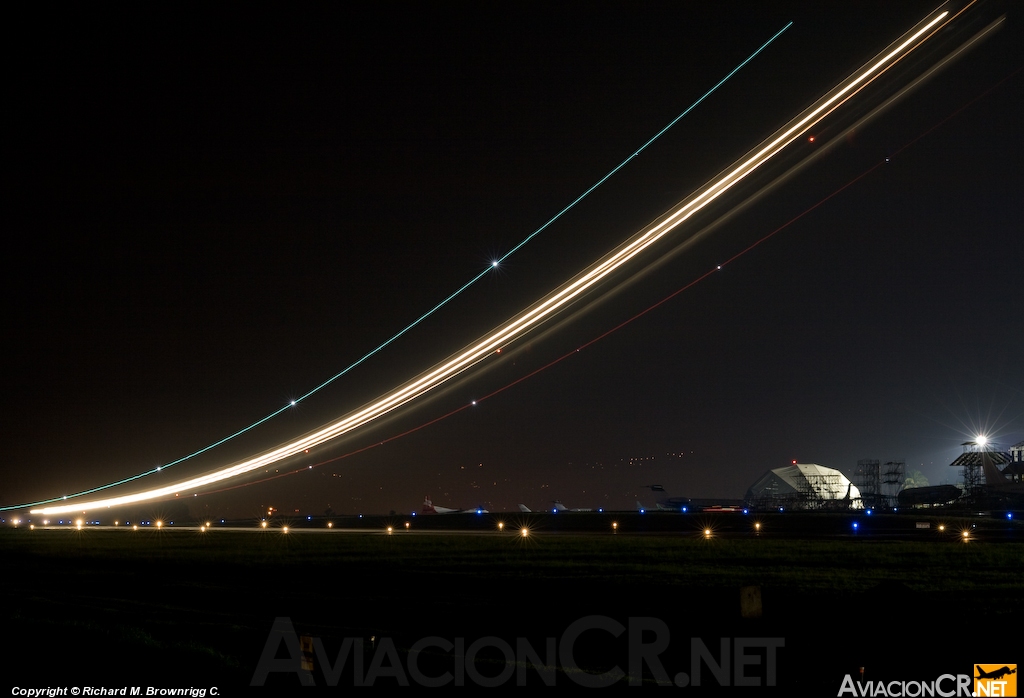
[525, 509]
[993, 478]
[428, 506]
[560, 507]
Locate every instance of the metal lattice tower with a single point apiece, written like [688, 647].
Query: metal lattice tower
[868, 479]
[894, 474]
[970, 468]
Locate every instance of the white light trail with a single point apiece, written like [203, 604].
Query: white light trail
[557, 299]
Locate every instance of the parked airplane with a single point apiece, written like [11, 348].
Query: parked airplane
[666, 503]
[996, 483]
[932, 494]
[430, 508]
[685, 504]
[556, 509]
[561, 507]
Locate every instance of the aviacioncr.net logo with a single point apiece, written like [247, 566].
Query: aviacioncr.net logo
[995, 679]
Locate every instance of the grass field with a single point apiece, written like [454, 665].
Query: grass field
[156, 605]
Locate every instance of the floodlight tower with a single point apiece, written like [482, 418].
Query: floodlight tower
[971, 464]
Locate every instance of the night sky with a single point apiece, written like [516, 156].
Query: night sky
[211, 211]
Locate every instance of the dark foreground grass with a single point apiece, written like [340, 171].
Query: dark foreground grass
[847, 565]
[155, 605]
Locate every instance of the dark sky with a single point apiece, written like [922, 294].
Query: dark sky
[212, 211]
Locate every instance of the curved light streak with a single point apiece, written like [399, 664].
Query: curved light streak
[494, 264]
[560, 297]
[706, 275]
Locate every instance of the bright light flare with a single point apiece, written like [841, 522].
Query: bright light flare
[558, 299]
